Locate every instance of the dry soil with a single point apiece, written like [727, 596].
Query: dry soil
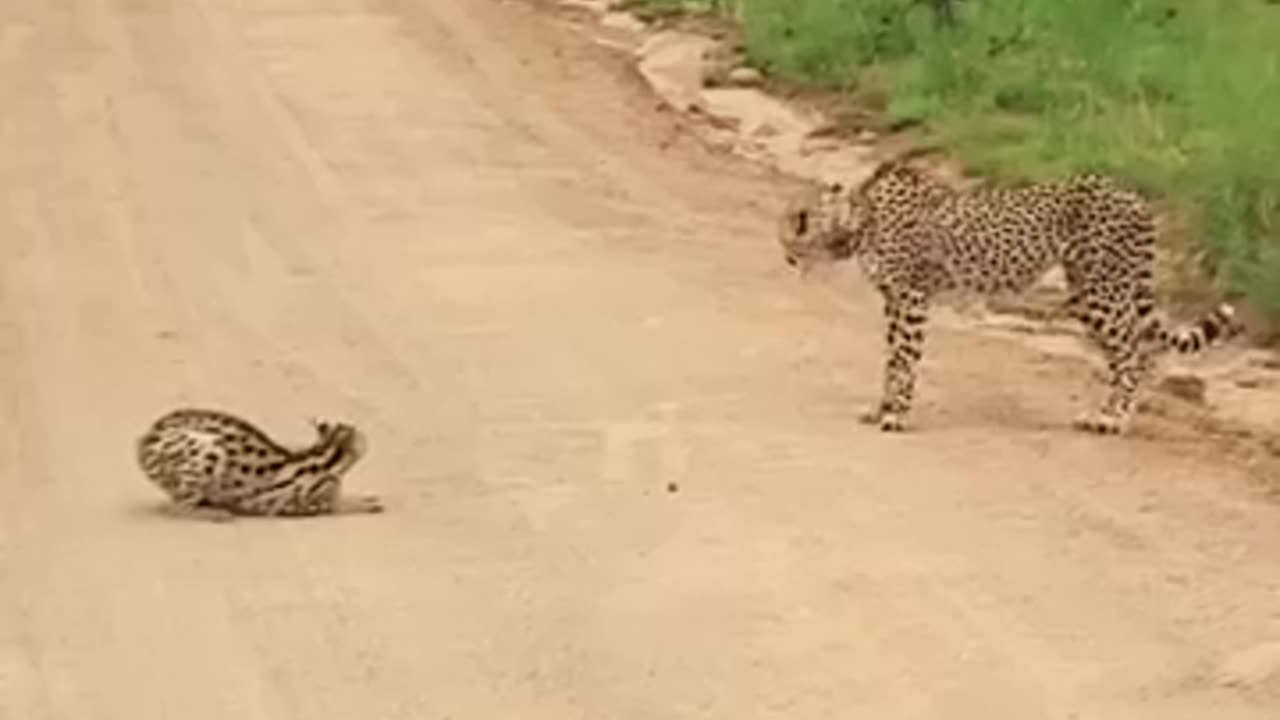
[615, 436]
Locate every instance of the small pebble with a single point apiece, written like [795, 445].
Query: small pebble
[1186, 387]
[745, 77]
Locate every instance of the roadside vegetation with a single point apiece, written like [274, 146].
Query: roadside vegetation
[1179, 97]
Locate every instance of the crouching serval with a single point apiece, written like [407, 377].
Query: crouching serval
[215, 465]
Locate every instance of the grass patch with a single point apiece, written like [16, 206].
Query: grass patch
[1179, 97]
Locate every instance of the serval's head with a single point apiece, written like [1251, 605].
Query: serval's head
[345, 442]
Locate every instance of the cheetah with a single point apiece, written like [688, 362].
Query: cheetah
[214, 466]
[917, 239]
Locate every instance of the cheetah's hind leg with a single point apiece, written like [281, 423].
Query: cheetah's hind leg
[1128, 363]
[1116, 413]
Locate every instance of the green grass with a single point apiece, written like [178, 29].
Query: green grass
[1179, 97]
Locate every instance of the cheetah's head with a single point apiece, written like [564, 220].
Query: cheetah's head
[821, 226]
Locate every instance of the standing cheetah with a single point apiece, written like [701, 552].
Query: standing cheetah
[916, 239]
[215, 465]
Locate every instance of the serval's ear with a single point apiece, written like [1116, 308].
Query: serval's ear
[322, 427]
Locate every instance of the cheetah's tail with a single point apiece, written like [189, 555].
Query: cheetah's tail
[1218, 325]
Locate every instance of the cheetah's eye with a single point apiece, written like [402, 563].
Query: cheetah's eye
[802, 222]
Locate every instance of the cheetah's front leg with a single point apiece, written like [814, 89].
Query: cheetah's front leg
[905, 313]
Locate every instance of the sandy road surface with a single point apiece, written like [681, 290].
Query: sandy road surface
[467, 230]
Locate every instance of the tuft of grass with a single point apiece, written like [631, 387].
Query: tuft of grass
[1181, 98]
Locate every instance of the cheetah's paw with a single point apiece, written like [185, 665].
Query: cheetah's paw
[890, 422]
[1099, 424]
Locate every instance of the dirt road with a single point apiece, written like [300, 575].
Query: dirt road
[471, 232]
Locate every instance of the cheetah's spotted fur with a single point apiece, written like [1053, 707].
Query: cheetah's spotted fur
[216, 465]
[917, 239]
